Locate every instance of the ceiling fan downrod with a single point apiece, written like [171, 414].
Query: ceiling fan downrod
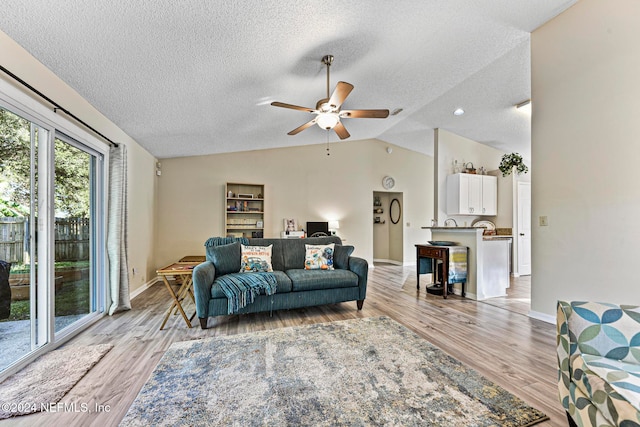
[328, 60]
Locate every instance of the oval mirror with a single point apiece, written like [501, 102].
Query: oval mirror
[395, 211]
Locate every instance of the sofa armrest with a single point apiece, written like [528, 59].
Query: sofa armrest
[361, 268]
[203, 276]
[565, 347]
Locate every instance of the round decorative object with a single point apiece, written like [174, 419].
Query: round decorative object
[395, 211]
[388, 182]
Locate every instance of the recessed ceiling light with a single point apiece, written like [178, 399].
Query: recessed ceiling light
[458, 112]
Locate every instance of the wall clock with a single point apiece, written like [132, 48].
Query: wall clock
[388, 182]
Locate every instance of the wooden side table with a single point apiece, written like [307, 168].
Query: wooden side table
[435, 253]
[193, 258]
[183, 271]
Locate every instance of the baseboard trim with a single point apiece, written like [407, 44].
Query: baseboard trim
[542, 316]
[144, 287]
[388, 261]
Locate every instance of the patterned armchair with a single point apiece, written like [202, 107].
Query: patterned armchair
[598, 347]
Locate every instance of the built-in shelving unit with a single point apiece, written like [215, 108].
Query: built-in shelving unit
[377, 211]
[244, 210]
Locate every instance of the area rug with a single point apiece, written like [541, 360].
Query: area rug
[47, 379]
[370, 371]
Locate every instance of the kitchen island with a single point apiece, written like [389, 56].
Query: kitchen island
[487, 262]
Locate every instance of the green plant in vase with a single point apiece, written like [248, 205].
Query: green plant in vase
[510, 161]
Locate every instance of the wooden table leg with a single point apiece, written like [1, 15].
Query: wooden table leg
[186, 289]
[418, 268]
[174, 303]
[445, 274]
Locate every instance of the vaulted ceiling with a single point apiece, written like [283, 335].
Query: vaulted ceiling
[194, 77]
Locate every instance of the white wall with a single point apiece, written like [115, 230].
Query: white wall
[452, 147]
[141, 185]
[585, 147]
[300, 182]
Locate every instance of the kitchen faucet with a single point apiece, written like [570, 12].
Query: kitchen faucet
[446, 222]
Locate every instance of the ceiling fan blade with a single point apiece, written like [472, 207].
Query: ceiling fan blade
[364, 114]
[293, 107]
[341, 131]
[340, 93]
[302, 127]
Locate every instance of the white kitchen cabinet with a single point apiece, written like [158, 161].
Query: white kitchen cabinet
[470, 194]
[489, 195]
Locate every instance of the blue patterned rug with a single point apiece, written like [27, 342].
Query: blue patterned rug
[370, 371]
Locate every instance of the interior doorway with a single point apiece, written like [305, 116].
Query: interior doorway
[523, 236]
[388, 237]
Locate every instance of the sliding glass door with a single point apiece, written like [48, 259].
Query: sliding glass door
[77, 192]
[23, 304]
[52, 257]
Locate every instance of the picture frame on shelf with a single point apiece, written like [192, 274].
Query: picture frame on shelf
[290, 224]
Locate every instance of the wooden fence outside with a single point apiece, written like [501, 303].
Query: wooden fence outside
[71, 239]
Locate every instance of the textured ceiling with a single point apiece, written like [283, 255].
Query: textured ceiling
[193, 77]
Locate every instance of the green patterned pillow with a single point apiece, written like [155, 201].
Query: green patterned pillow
[606, 330]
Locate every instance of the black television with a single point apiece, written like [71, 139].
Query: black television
[317, 229]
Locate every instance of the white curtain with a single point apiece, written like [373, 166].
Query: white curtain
[117, 230]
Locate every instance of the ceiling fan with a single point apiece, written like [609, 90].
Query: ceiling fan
[328, 112]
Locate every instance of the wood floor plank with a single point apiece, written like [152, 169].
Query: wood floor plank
[497, 339]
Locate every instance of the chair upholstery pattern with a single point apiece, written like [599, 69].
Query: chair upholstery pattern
[598, 349]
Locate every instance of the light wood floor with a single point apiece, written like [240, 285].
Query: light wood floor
[509, 348]
[518, 297]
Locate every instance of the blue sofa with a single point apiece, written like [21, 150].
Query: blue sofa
[296, 287]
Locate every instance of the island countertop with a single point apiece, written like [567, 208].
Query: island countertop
[452, 228]
[483, 272]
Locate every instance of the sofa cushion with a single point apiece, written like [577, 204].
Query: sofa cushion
[341, 256]
[319, 257]
[609, 330]
[284, 285]
[613, 386]
[225, 258]
[277, 262]
[256, 259]
[288, 254]
[308, 280]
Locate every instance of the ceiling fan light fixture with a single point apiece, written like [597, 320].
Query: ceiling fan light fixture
[327, 120]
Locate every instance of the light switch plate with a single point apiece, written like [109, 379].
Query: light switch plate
[543, 221]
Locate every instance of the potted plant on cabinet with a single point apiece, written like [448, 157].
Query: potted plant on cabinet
[510, 161]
